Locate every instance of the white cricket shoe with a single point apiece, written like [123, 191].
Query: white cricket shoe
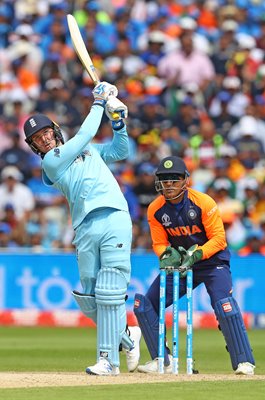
[245, 368]
[103, 367]
[133, 356]
[151, 367]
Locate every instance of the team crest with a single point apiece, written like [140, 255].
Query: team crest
[168, 164]
[192, 213]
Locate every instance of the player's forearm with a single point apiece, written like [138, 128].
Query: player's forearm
[120, 144]
[91, 123]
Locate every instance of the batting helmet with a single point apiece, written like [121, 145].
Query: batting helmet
[172, 165]
[37, 122]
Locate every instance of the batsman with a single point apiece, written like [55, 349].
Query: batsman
[187, 232]
[100, 218]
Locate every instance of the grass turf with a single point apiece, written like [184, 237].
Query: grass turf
[72, 349]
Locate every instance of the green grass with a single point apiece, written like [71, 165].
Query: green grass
[72, 349]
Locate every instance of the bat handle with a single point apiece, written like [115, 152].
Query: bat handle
[115, 116]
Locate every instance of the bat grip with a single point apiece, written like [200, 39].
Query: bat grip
[116, 116]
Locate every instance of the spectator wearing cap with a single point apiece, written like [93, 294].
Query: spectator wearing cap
[154, 51]
[248, 120]
[224, 47]
[219, 111]
[200, 41]
[249, 148]
[15, 155]
[16, 226]
[238, 101]
[186, 65]
[5, 236]
[12, 191]
[24, 44]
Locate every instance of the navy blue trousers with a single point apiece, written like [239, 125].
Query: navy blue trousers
[217, 280]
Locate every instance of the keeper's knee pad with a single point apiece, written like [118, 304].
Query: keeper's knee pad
[234, 331]
[87, 304]
[110, 294]
[148, 322]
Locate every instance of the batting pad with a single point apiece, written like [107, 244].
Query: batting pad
[87, 304]
[148, 322]
[234, 331]
[110, 293]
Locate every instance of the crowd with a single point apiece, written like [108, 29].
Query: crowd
[192, 74]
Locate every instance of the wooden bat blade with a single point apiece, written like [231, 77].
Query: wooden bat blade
[82, 53]
[80, 48]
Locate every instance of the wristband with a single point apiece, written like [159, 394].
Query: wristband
[99, 102]
[117, 125]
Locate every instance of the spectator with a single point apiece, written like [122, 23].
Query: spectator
[186, 65]
[12, 191]
[253, 245]
[249, 148]
[204, 147]
[15, 155]
[5, 236]
[144, 189]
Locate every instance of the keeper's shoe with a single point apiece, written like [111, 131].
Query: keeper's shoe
[103, 367]
[245, 368]
[151, 367]
[133, 355]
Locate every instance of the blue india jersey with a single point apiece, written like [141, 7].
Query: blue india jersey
[79, 169]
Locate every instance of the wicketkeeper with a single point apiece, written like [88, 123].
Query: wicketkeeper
[100, 218]
[187, 232]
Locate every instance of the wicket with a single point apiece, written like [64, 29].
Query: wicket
[175, 327]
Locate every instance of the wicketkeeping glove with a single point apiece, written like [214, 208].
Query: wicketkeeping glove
[102, 91]
[115, 106]
[170, 258]
[189, 257]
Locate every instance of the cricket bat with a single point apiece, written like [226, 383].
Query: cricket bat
[82, 52]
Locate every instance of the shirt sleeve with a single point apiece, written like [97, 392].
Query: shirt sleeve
[57, 160]
[214, 228]
[117, 149]
[158, 233]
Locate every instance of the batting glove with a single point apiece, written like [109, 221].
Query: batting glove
[170, 259]
[102, 91]
[113, 107]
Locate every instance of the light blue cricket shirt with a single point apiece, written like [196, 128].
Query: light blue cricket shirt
[78, 169]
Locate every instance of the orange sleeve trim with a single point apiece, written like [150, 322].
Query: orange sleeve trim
[212, 223]
[158, 233]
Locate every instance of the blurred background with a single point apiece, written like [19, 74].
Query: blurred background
[192, 73]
